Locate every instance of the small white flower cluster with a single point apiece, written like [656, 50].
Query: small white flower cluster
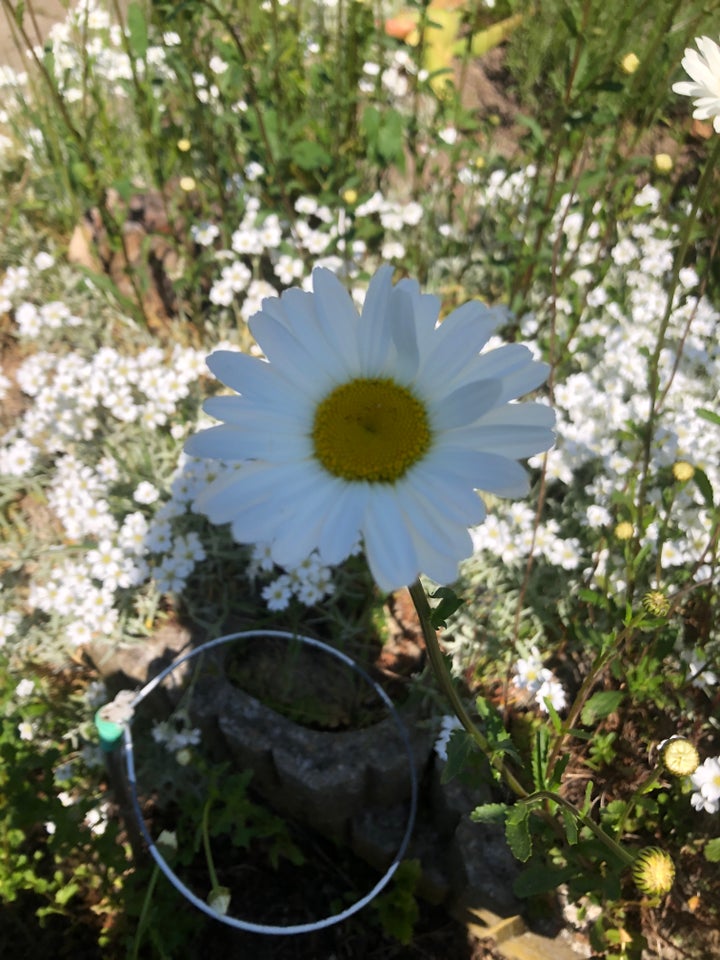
[313, 233]
[16, 280]
[176, 734]
[531, 675]
[621, 317]
[447, 724]
[309, 582]
[706, 783]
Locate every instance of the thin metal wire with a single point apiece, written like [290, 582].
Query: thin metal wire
[247, 925]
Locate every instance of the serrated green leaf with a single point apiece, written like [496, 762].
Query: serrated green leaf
[449, 603]
[601, 705]
[459, 748]
[517, 831]
[712, 850]
[489, 813]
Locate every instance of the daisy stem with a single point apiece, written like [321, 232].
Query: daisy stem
[442, 673]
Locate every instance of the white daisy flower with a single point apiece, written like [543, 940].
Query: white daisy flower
[704, 70]
[379, 427]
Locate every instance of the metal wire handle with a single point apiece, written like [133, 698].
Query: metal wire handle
[110, 732]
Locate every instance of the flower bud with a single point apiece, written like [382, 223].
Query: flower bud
[654, 872]
[683, 471]
[656, 603]
[629, 63]
[624, 530]
[679, 756]
[663, 162]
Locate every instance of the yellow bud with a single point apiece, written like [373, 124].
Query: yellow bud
[187, 184]
[663, 162]
[679, 756]
[656, 603]
[350, 196]
[683, 471]
[624, 530]
[654, 872]
[479, 162]
[183, 145]
[629, 63]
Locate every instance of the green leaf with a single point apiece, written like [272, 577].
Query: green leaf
[66, 893]
[540, 758]
[712, 850]
[489, 813]
[517, 831]
[709, 415]
[390, 137]
[310, 156]
[571, 829]
[539, 879]
[137, 30]
[704, 486]
[459, 748]
[601, 705]
[449, 603]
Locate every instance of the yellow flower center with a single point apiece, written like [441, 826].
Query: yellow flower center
[370, 429]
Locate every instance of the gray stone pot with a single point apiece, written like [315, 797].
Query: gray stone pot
[322, 778]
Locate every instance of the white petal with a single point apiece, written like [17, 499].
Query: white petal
[453, 497]
[340, 530]
[337, 318]
[404, 334]
[388, 545]
[239, 410]
[247, 375]
[466, 404]
[428, 526]
[302, 364]
[491, 472]
[456, 343]
[373, 331]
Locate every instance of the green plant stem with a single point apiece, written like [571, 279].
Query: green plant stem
[206, 846]
[142, 922]
[443, 675]
[598, 666]
[644, 787]
[623, 855]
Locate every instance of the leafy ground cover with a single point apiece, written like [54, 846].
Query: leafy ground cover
[167, 168]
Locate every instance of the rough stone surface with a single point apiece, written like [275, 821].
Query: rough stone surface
[322, 778]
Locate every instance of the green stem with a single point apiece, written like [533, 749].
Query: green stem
[206, 846]
[443, 675]
[142, 922]
[620, 852]
[644, 787]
